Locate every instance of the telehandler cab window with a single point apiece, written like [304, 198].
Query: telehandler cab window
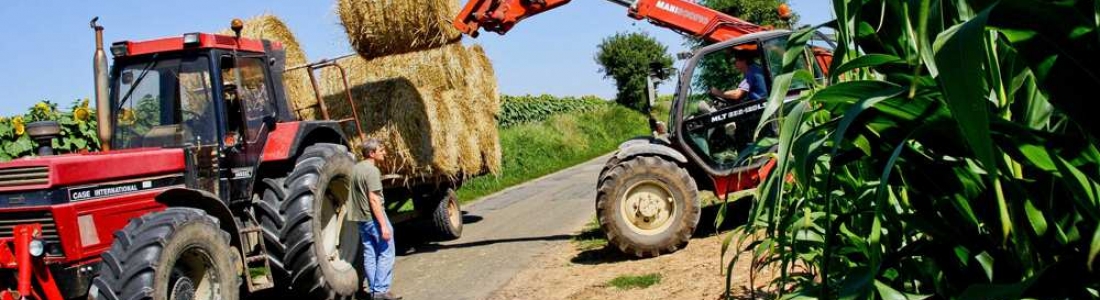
[164, 103]
[717, 127]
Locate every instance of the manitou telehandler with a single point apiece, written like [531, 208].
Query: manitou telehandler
[210, 187]
[647, 200]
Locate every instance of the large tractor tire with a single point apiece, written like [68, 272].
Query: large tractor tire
[312, 250]
[647, 206]
[443, 214]
[176, 254]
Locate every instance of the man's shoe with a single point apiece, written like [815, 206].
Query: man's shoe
[386, 296]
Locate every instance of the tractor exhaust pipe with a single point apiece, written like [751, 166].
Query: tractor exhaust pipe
[102, 104]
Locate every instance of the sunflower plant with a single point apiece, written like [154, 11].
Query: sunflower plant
[78, 129]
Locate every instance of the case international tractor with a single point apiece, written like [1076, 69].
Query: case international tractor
[647, 200]
[210, 187]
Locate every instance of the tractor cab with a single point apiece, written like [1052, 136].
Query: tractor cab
[721, 97]
[213, 95]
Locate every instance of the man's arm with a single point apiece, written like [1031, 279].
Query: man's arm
[732, 95]
[376, 210]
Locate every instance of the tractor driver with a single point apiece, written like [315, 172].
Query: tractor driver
[752, 87]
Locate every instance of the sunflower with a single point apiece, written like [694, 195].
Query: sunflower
[126, 116]
[17, 123]
[42, 108]
[81, 113]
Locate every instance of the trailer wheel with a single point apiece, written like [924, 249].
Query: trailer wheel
[647, 206]
[169, 255]
[321, 247]
[443, 214]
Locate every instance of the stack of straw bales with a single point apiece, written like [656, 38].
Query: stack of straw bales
[432, 100]
[298, 88]
[378, 28]
[435, 109]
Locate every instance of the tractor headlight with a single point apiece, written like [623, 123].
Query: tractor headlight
[36, 247]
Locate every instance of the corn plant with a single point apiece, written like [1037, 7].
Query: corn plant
[952, 157]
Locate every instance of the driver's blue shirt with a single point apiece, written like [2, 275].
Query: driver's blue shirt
[754, 83]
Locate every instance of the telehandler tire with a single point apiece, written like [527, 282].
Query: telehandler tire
[175, 254]
[647, 206]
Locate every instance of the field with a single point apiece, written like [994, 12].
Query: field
[538, 147]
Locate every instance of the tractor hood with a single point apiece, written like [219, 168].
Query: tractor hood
[51, 172]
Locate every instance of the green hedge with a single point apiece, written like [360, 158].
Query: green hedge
[534, 149]
[524, 109]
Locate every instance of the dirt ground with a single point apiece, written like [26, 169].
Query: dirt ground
[578, 270]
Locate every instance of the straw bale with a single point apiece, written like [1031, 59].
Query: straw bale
[414, 102]
[379, 28]
[296, 82]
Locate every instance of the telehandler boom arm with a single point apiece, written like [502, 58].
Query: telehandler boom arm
[682, 16]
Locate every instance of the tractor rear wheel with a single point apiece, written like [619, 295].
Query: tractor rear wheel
[647, 206]
[302, 217]
[169, 255]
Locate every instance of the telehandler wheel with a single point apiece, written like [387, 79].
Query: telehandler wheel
[321, 247]
[176, 254]
[443, 213]
[647, 206]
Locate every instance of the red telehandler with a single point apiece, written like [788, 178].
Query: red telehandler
[210, 186]
[647, 200]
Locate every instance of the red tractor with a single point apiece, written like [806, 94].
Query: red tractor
[210, 187]
[647, 199]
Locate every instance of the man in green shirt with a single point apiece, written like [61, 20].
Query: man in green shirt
[366, 207]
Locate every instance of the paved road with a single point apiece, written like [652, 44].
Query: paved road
[503, 234]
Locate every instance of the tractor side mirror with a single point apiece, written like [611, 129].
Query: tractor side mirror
[684, 55]
[127, 78]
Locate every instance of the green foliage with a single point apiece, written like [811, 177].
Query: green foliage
[718, 71]
[524, 109]
[635, 281]
[626, 58]
[953, 163]
[763, 12]
[534, 149]
[78, 130]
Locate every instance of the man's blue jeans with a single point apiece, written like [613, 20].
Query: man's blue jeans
[378, 256]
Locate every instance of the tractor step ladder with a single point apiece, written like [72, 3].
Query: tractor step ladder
[256, 259]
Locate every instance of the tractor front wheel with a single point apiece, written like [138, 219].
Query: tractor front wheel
[176, 254]
[647, 206]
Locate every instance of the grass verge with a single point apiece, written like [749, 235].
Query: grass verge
[635, 282]
[532, 150]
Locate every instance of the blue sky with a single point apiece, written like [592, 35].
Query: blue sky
[47, 45]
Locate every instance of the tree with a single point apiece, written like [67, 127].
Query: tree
[626, 58]
[717, 70]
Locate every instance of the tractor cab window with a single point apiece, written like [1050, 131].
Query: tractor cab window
[727, 92]
[163, 103]
[247, 100]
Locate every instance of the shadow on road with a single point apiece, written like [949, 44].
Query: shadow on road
[432, 247]
[736, 215]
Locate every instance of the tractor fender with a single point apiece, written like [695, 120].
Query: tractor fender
[288, 139]
[207, 202]
[649, 147]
